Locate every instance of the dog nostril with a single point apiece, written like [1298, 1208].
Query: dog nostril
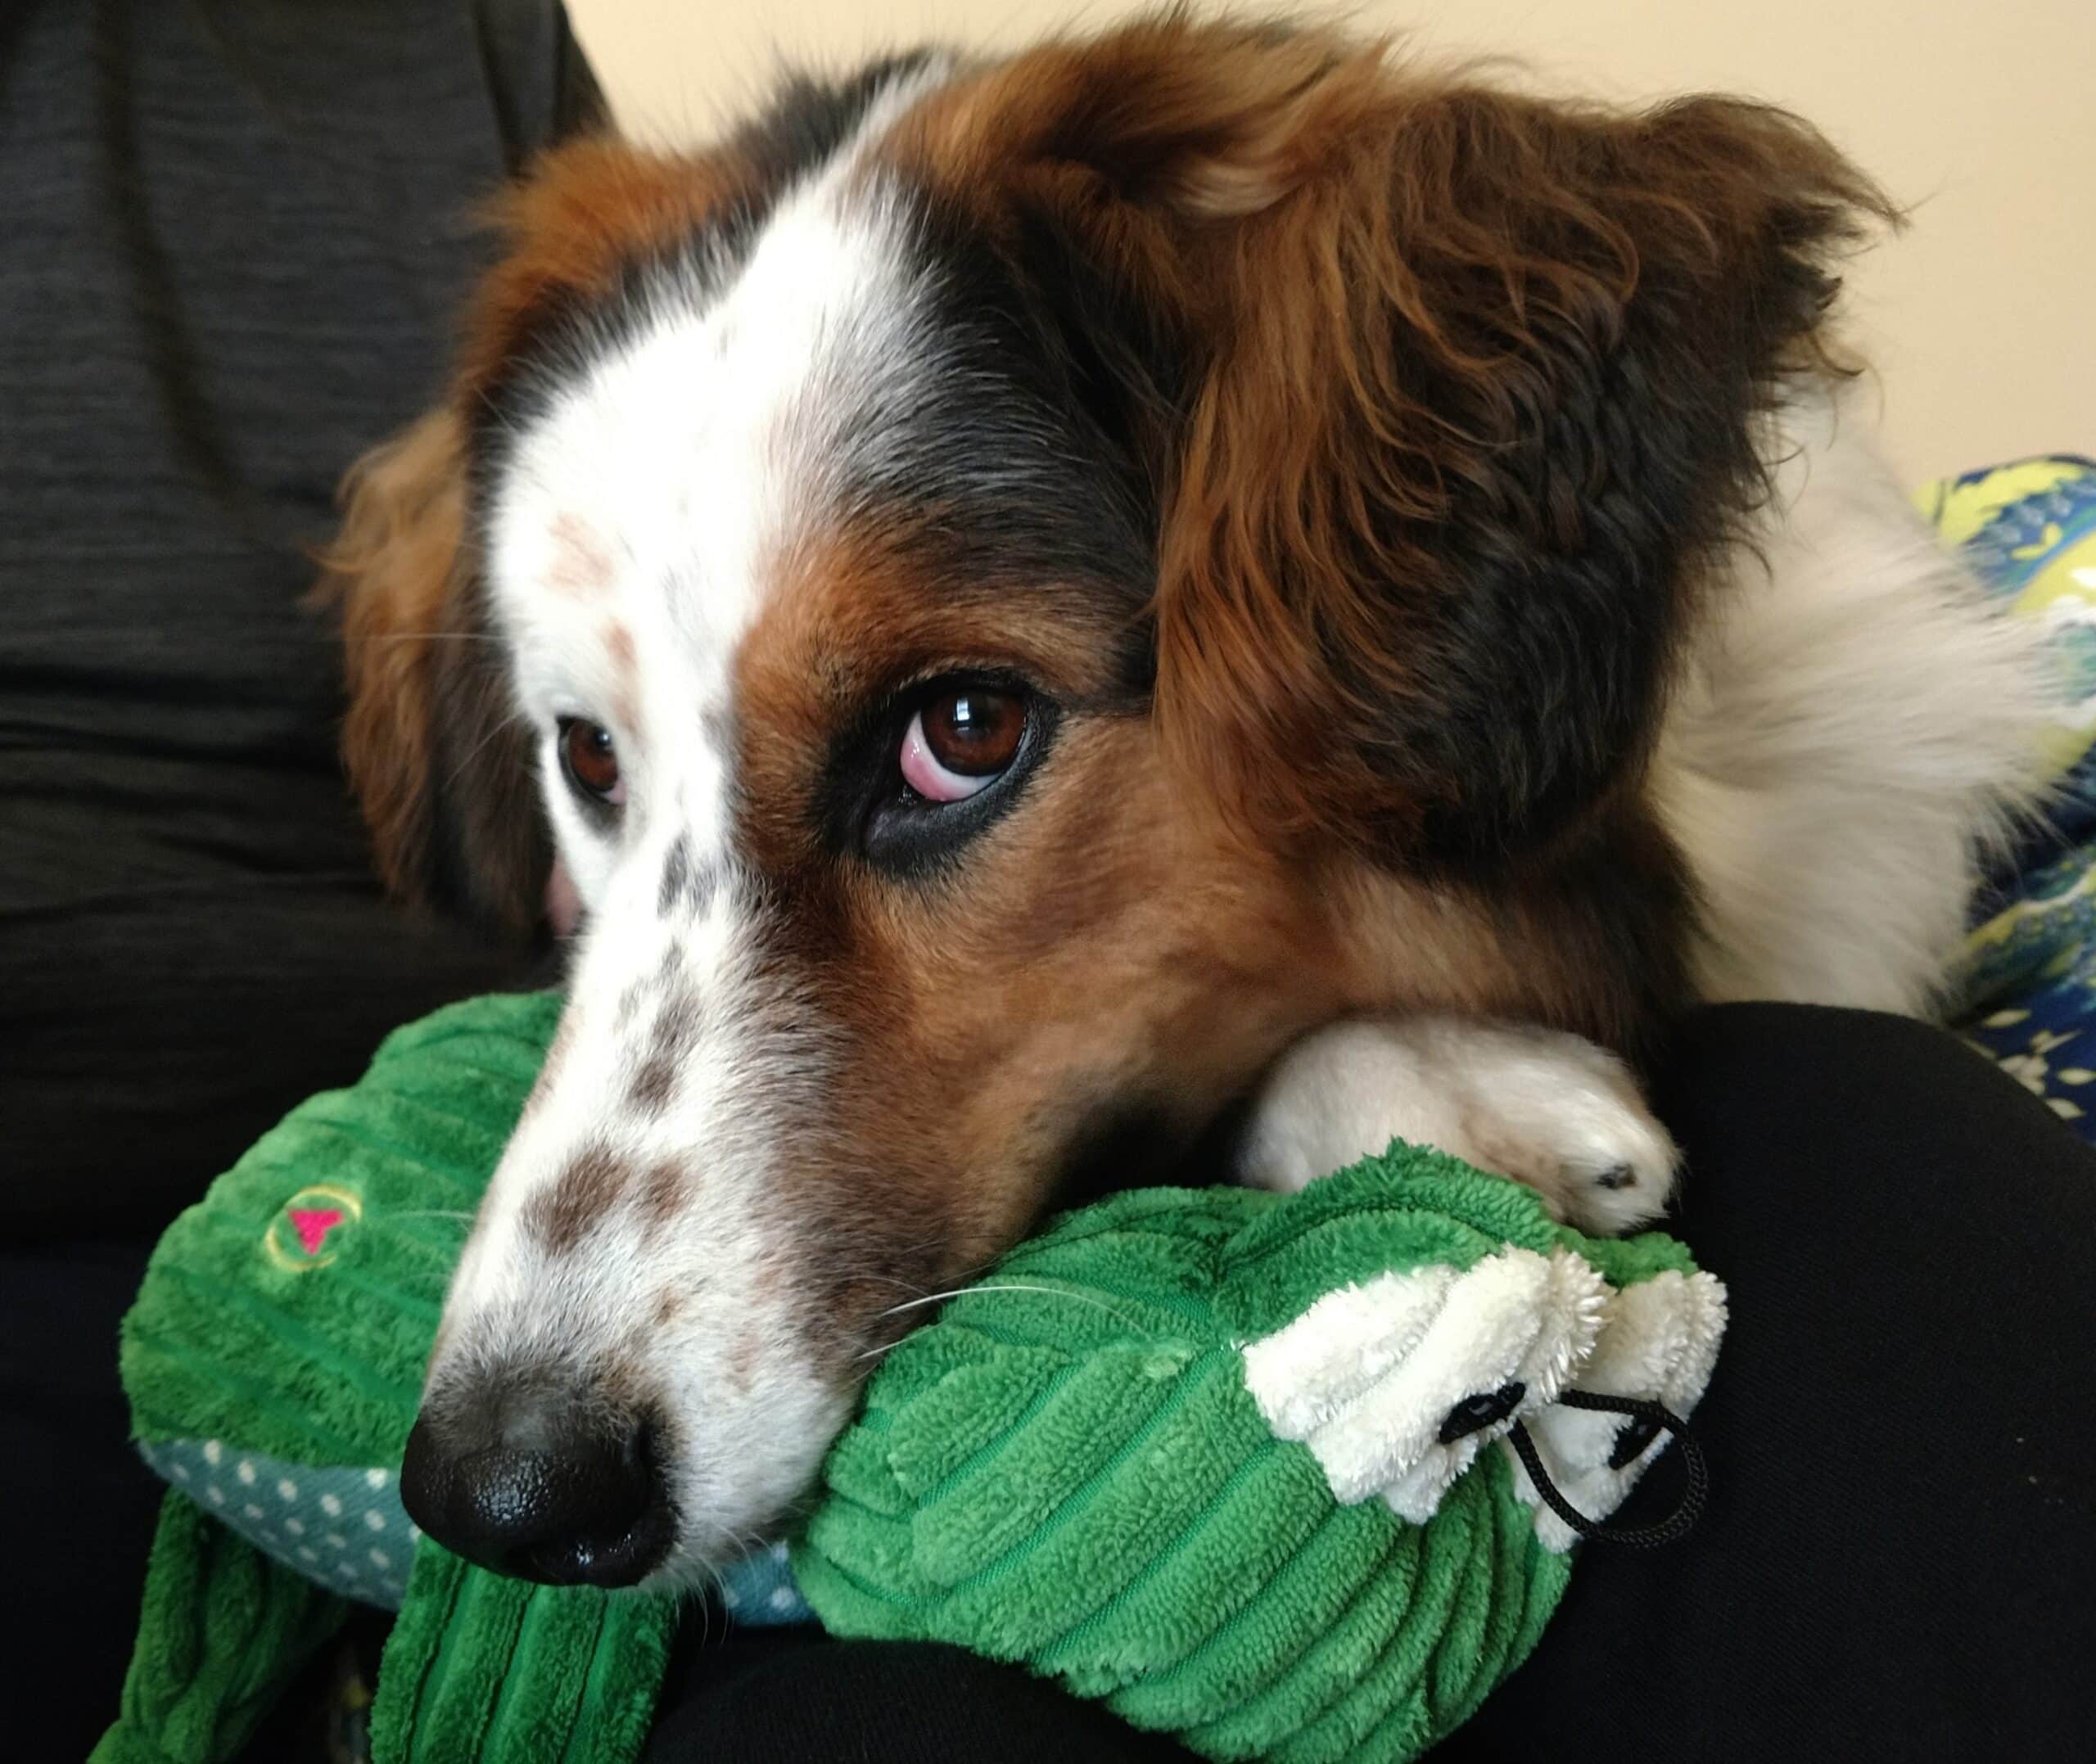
[545, 1501]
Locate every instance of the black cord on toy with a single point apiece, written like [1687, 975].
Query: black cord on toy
[1647, 1419]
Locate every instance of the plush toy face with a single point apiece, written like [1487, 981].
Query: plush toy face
[1237, 1465]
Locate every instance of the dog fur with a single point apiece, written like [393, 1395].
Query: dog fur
[1460, 617]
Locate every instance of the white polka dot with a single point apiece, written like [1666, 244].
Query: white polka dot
[782, 1597]
[380, 1559]
[297, 1527]
[307, 1553]
[335, 1541]
[375, 1521]
[730, 1598]
[213, 1451]
[246, 1472]
[182, 1472]
[286, 1490]
[374, 1478]
[331, 1506]
[414, 1532]
[251, 1510]
[215, 1495]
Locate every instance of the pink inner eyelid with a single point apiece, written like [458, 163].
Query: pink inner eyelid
[924, 773]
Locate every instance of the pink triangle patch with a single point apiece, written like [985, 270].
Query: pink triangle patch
[314, 1224]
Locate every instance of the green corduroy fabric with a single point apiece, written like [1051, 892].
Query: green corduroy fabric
[482, 1667]
[228, 1627]
[1066, 1470]
[238, 1334]
[245, 1338]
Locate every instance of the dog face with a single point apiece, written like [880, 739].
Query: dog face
[1025, 588]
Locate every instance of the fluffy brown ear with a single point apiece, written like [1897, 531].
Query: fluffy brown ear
[439, 765]
[1463, 388]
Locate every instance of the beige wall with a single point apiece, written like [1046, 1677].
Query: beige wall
[1982, 319]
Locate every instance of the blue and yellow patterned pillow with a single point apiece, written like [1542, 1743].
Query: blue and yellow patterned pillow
[2026, 984]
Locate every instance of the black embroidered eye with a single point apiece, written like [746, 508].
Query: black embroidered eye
[589, 760]
[1473, 1412]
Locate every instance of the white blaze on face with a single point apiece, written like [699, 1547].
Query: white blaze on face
[630, 1233]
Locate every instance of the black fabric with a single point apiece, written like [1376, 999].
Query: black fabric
[792, 1696]
[1898, 1558]
[77, 1505]
[236, 236]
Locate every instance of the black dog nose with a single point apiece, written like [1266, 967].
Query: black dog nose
[527, 1491]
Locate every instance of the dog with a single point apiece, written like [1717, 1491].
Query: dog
[1205, 576]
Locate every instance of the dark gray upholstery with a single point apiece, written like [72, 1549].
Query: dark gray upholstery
[233, 240]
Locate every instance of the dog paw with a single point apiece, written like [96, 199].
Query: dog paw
[1587, 1144]
[1548, 1109]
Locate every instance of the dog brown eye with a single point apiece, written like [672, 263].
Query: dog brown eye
[960, 742]
[589, 759]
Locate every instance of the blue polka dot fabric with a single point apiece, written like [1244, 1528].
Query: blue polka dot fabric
[344, 1527]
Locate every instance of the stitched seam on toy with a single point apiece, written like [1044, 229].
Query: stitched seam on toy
[302, 1339]
[1408, 1623]
[1082, 1495]
[431, 1091]
[363, 1136]
[1074, 1635]
[1086, 1292]
[446, 1629]
[528, 1044]
[1403, 1214]
[1278, 1670]
[894, 1601]
[578, 1731]
[1042, 1265]
[495, 1587]
[424, 1102]
[989, 1449]
[1134, 1223]
[248, 1392]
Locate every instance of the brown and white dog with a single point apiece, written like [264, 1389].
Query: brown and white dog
[1047, 597]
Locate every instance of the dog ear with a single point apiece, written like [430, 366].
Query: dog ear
[440, 765]
[1464, 389]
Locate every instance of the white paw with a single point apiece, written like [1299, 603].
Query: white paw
[1548, 1109]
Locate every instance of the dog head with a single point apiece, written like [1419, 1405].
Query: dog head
[1026, 586]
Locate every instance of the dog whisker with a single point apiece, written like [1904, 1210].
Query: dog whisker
[1053, 1291]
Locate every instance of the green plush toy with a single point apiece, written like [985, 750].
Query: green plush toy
[1290, 1477]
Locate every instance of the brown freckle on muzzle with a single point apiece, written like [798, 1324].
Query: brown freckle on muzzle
[674, 1033]
[742, 1361]
[584, 1192]
[684, 885]
[581, 565]
[662, 1194]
